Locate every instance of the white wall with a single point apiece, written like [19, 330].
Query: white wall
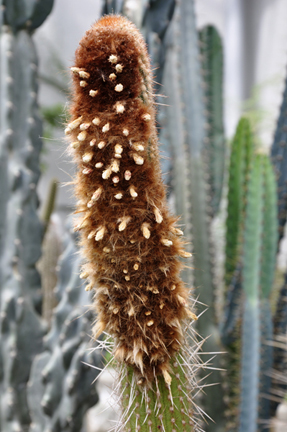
[255, 46]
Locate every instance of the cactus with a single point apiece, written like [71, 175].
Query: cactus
[212, 71]
[167, 407]
[241, 152]
[131, 244]
[21, 231]
[279, 384]
[251, 233]
[60, 400]
[253, 229]
[186, 131]
[279, 159]
[268, 263]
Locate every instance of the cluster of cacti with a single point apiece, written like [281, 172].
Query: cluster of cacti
[130, 242]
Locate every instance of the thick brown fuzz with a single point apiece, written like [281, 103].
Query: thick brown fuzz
[130, 242]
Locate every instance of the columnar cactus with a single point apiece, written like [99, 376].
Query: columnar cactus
[20, 229]
[60, 397]
[279, 159]
[250, 265]
[186, 130]
[130, 242]
[212, 70]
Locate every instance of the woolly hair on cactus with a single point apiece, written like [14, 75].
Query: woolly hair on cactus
[131, 244]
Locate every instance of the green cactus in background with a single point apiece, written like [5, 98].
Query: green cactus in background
[241, 152]
[186, 130]
[253, 229]
[61, 397]
[279, 160]
[279, 384]
[212, 71]
[20, 231]
[250, 264]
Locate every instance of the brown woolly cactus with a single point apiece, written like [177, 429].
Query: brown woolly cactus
[130, 242]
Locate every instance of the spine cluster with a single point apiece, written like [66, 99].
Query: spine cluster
[130, 242]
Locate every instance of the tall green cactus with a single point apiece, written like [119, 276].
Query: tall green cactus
[241, 152]
[259, 253]
[186, 130]
[279, 385]
[212, 70]
[251, 249]
[279, 159]
[253, 228]
[267, 270]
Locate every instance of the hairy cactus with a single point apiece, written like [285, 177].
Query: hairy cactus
[153, 17]
[130, 242]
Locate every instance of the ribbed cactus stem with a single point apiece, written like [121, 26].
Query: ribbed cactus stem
[241, 152]
[163, 407]
[279, 160]
[268, 263]
[212, 70]
[252, 243]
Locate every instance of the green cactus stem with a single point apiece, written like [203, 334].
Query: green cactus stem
[252, 244]
[268, 263]
[241, 150]
[279, 160]
[279, 384]
[212, 70]
[163, 407]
